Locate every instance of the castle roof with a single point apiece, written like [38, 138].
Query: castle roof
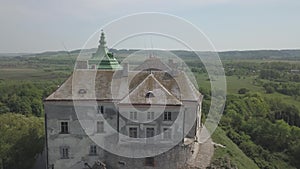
[106, 81]
[110, 85]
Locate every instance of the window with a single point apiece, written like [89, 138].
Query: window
[64, 152]
[150, 132]
[100, 109]
[64, 127]
[82, 91]
[149, 161]
[133, 132]
[93, 150]
[133, 116]
[167, 133]
[167, 116]
[100, 126]
[149, 94]
[150, 115]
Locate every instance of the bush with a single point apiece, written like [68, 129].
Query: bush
[243, 91]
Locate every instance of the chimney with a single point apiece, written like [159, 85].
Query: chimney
[125, 69]
[93, 66]
[81, 65]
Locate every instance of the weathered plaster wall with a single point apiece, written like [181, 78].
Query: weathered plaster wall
[172, 159]
[77, 140]
[79, 143]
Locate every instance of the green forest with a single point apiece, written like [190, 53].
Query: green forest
[260, 126]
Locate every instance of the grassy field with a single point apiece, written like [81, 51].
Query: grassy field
[31, 74]
[234, 83]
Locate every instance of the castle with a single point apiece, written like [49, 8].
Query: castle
[106, 115]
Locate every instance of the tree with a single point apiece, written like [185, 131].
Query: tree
[37, 107]
[21, 139]
[3, 108]
[243, 91]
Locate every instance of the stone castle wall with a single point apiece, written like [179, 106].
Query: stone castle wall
[172, 159]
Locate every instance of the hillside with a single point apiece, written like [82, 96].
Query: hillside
[231, 155]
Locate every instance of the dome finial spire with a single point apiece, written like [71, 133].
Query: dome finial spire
[102, 39]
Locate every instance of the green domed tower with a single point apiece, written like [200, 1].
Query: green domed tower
[102, 59]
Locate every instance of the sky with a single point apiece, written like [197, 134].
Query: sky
[44, 25]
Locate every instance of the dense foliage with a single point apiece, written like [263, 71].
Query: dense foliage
[21, 140]
[24, 97]
[253, 124]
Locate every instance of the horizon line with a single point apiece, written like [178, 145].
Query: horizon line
[226, 50]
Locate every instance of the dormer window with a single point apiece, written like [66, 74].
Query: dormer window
[82, 91]
[149, 94]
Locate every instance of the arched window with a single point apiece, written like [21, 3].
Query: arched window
[149, 94]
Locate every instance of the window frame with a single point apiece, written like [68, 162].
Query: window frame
[137, 131]
[167, 116]
[150, 161]
[100, 109]
[150, 115]
[154, 130]
[64, 129]
[93, 150]
[65, 152]
[133, 115]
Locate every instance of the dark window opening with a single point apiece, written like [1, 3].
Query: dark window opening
[82, 91]
[150, 132]
[167, 116]
[101, 109]
[133, 132]
[93, 150]
[149, 94]
[149, 161]
[65, 152]
[64, 127]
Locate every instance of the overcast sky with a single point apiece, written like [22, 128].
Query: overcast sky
[40, 25]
